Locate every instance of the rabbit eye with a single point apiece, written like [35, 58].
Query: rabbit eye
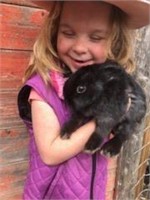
[81, 89]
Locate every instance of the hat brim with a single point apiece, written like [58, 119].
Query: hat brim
[138, 11]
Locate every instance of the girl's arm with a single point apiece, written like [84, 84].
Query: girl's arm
[52, 148]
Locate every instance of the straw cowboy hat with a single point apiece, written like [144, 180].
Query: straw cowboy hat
[138, 11]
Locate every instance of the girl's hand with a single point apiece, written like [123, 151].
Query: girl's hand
[52, 148]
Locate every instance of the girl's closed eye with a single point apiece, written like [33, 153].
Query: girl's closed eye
[96, 38]
[68, 33]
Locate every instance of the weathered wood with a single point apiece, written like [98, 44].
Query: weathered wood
[13, 63]
[13, 152]
[12, 179]
[130, 156]
[145, 155]
[18, 30]
[20, 26]
[14, 142]
[27, 3]
[13, 36]
[21, 15]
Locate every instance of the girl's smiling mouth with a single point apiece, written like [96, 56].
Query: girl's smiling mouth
[80, 62]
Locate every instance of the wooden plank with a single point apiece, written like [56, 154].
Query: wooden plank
[18, 30]
[143, 160]
[12, 180]
[9, 83]
[20, 26]
[17, 37]
[13, 195]
[13, 148]
[11, 155]
[9, 114]
[9, 121]
[13, 134]
[12, 14]
[20, 2]
[130, 156]
[9, 110]
[13, 63]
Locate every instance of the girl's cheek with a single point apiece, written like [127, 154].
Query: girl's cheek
[60, 45]
[102, 53]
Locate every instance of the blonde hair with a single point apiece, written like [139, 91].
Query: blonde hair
[121, 41]
[45, 58]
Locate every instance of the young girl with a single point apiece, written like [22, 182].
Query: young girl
[75, 34]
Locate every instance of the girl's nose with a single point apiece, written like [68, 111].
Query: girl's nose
[80, 46]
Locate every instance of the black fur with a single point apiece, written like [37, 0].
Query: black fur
[102, 92]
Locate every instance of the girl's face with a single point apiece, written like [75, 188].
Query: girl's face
[83, 33]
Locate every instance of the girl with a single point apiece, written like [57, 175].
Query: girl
[75, 34]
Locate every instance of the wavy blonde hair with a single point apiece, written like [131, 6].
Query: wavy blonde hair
[45, 58]
[121, 41]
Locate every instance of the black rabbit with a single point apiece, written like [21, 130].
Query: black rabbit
[108, 94]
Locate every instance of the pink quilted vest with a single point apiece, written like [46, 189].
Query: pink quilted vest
[82, 177]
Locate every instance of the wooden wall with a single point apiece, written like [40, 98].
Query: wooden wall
[20, 24]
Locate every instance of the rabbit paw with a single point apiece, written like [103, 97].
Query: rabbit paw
[65, 134]
[111, 148]
[93, 144]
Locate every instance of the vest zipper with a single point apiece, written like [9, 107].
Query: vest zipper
[93, 176]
